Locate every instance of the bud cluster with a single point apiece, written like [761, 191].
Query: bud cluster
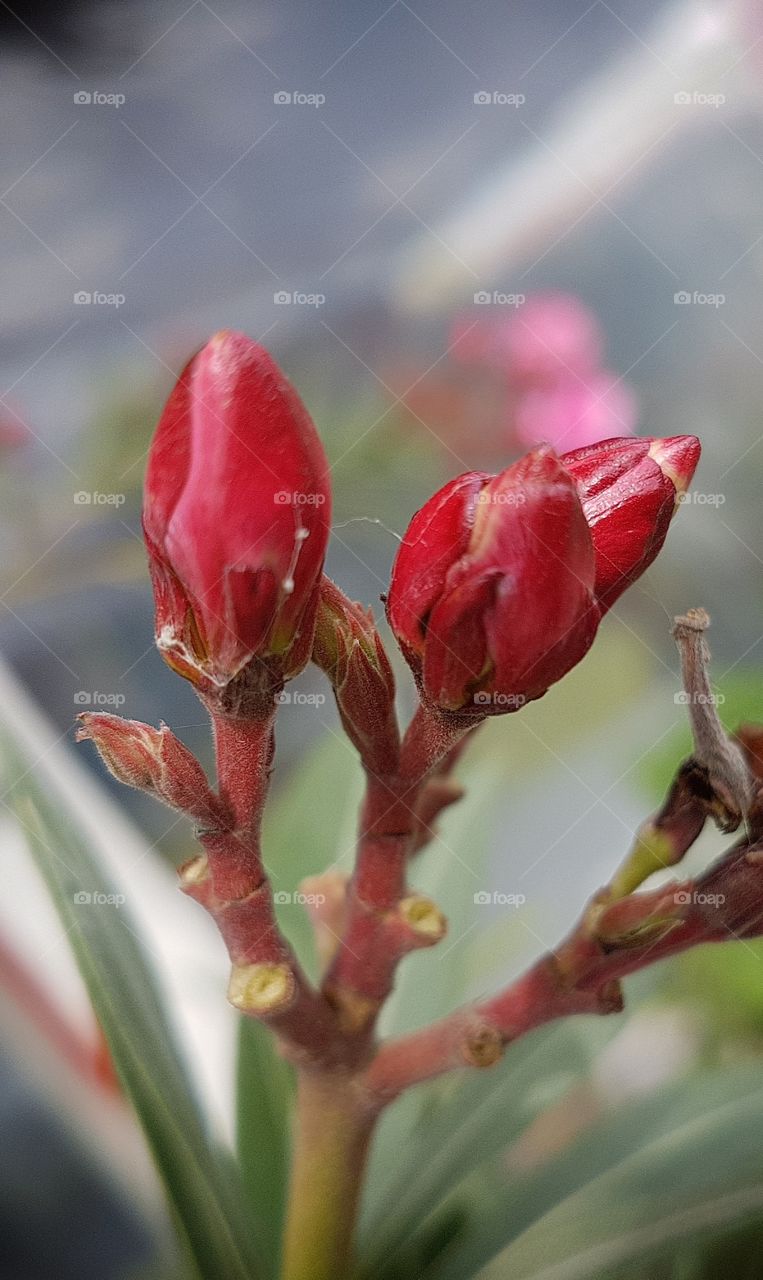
[501, 582]
[497, 591]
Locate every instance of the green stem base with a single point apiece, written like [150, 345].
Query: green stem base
[332, 1137]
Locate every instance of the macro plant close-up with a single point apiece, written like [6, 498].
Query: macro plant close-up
[381, 690]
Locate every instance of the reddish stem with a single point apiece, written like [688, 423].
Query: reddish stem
[613, 939]
[377, 934]
[267, 979]
[244, 751]
[475, 1035]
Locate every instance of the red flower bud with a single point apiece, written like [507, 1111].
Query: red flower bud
[500, 582]
[630, 489]
[491, 597]
[348, 648]
[236, 516]
[151, 760]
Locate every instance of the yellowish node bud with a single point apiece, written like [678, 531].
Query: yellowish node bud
[424, 918]
[354, 1010]
[483, 1047]
[261, 988]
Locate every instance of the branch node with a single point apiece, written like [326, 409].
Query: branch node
[424, 918]
[355, 1012]
[261, 989]
[482, 1047]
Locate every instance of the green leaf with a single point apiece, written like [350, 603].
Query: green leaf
[670, 1168]
[475, 1117]
[726, 981]
[265, 1096]
[204, 1191]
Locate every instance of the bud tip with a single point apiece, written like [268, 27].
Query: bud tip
[677, 458]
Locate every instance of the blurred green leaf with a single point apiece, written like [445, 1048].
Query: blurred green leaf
[473, 1119]
[725, 982]
[673, 1167]
[265, 1095]
[205, 1194]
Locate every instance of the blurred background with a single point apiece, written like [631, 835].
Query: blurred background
[460, 230]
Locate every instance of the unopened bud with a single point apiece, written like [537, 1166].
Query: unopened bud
[236, 517]
[348, 648]
[152, 760]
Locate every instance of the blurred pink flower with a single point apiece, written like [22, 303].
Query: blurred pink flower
[572, 413]
[549, 335]
[523, 375]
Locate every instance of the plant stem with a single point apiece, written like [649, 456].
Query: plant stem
[332, 1135]
[362, 971]
[244, 750]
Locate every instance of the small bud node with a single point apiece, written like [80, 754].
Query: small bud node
[261, 988]
[424, 918]
[483, 1047]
